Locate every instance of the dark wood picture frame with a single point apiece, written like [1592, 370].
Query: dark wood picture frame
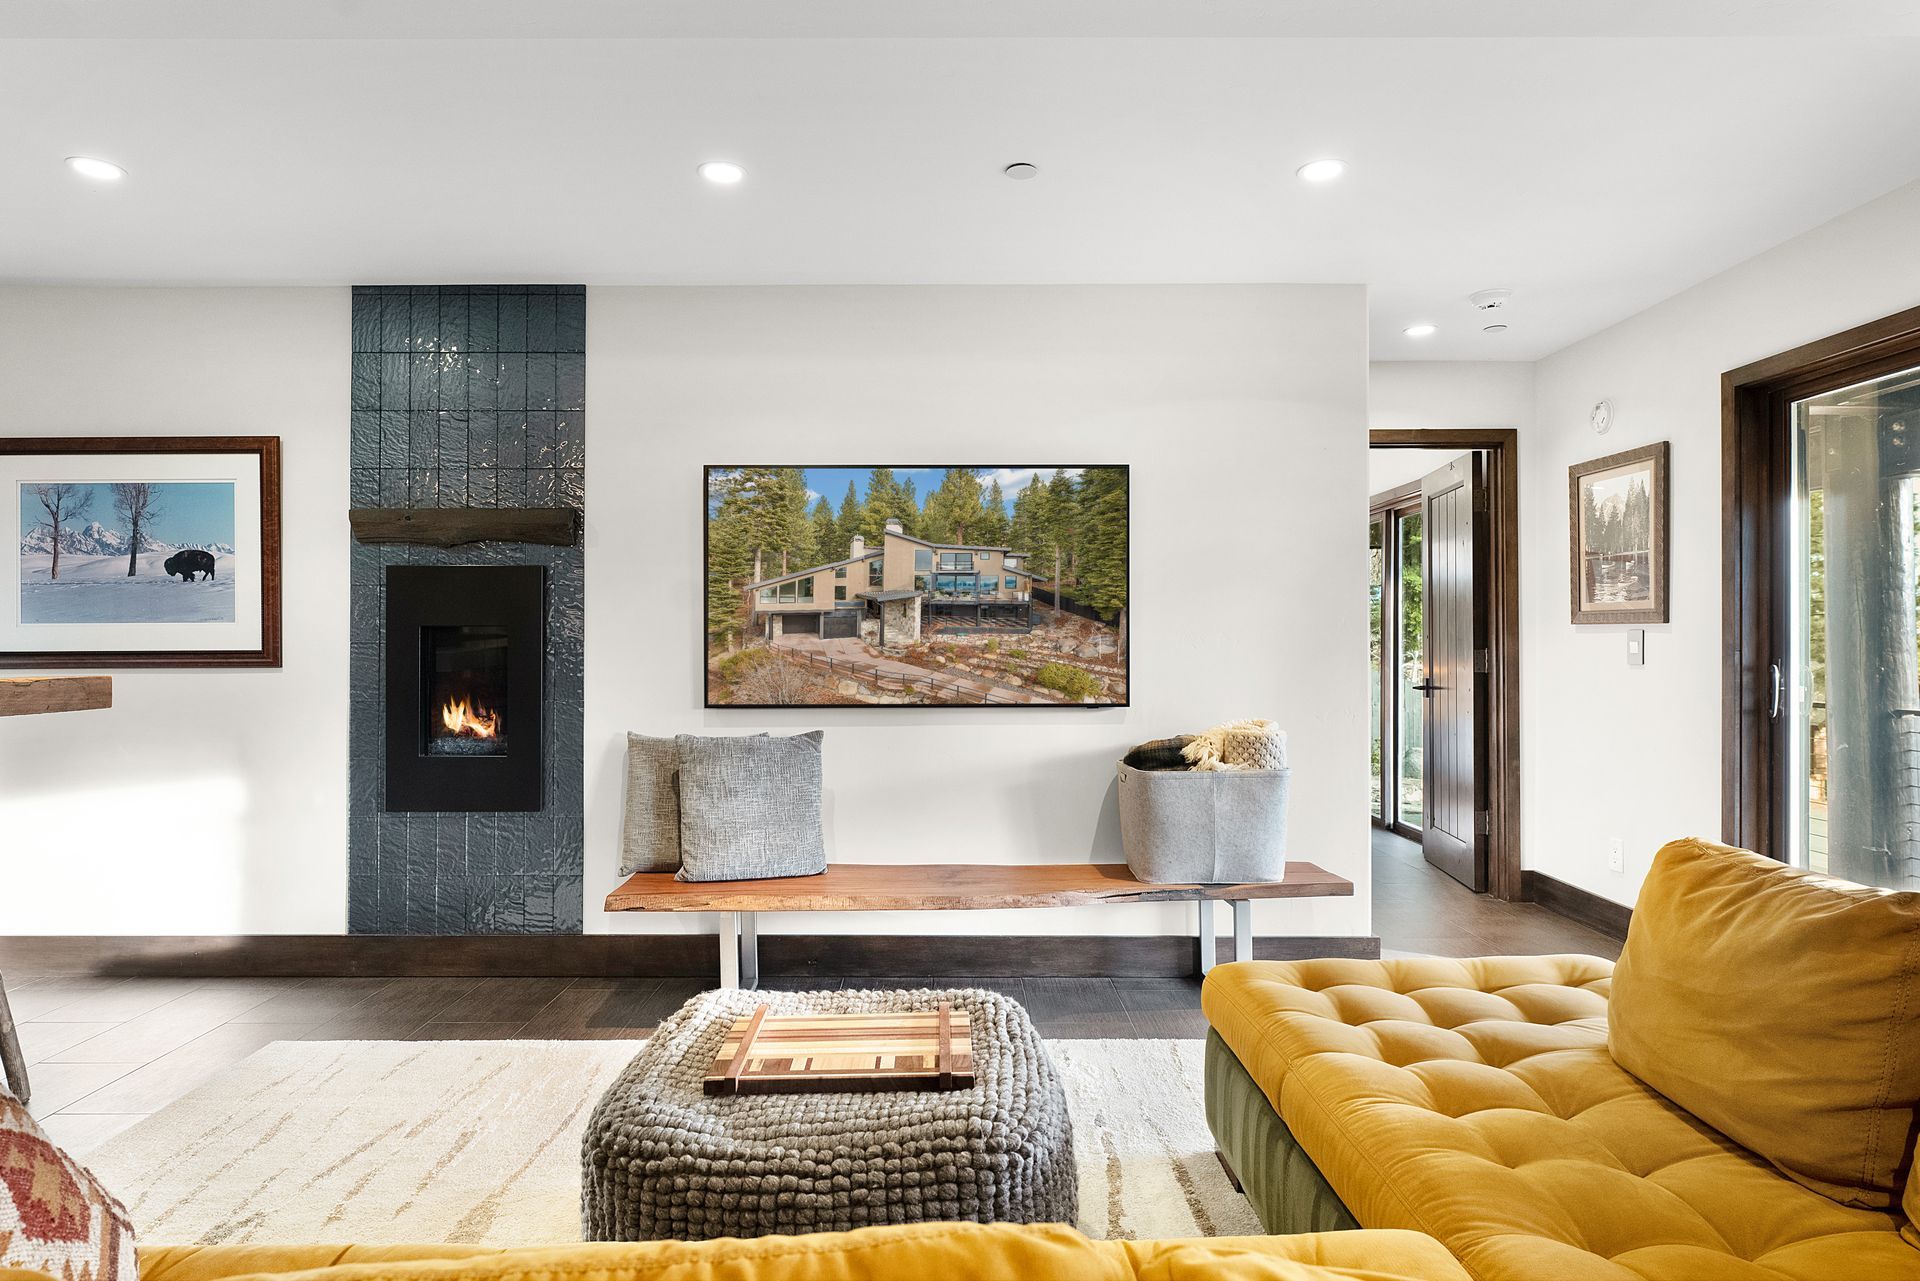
[267, 449]
[1659, 553]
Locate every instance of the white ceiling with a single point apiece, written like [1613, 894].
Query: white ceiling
[1593, 176]
[605, 19]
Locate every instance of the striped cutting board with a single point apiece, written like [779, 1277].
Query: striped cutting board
[816, 1053]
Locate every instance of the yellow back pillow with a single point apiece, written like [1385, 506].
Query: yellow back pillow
[1780, 1007]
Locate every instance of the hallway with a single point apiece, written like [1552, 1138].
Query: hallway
[1419, 909]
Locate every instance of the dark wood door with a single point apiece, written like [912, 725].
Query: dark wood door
[1454, 581]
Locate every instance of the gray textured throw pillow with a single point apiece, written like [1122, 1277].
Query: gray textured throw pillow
[750, 807]
[650, 829]
[650, 832]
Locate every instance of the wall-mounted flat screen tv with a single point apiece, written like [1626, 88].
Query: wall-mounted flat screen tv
[916, 586]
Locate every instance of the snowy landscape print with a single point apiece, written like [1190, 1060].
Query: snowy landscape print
[126, 552]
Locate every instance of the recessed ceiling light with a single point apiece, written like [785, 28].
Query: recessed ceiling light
[1493, 329]
[1421, 330]
[723, 172]
[98, 170]
[1020, 171]
[1321, 170]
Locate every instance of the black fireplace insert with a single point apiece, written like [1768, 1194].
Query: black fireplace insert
[465, 687]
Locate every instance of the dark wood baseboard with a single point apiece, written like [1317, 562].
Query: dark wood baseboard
[639, 955]
[1576, 904]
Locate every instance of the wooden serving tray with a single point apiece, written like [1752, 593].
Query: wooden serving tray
[819, 1053]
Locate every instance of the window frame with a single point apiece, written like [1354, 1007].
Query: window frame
[1756, 487]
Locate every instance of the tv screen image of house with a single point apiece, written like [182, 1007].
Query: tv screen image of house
[916, 586]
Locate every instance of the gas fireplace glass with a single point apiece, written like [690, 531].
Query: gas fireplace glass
[465, 682]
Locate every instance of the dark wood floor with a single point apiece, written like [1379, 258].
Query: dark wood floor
[1418, 908]
[105, 1052]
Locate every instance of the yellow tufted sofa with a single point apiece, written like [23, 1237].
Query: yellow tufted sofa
[1476, 1100]
[924, 1252]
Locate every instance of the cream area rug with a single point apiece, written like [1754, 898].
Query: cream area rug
[479, 1142]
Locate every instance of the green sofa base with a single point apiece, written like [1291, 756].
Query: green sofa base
[1288, 1192]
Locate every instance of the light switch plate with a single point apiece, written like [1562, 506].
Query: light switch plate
[1636, 647]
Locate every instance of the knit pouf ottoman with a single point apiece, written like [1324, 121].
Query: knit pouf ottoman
[662, 1159]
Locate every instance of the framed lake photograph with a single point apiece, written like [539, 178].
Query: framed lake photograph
[916, 586]
[1619, 527]
[133, 551]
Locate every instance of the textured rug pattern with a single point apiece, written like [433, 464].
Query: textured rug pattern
[479, 1142]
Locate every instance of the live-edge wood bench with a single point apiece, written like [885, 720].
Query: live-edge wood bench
[919, 887]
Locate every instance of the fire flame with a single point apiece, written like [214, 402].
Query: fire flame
[461, 717]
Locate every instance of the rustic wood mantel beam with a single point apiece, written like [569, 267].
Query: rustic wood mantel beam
[37, 695]
[456, 526]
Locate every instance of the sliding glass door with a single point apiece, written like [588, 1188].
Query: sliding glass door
[1396, 663]
[1850, 691]
[1377, 574]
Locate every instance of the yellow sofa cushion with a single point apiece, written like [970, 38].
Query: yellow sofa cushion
[1910, 1203]
[1475, 1100]
[922, 1252]
[1780, 1007]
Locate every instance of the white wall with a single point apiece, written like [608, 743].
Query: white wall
[1389, 467]
[1612, 751]
[204, 802]
[1242, 412]
[1428, 394]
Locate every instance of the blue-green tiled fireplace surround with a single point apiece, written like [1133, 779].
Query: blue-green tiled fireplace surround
[468, 396]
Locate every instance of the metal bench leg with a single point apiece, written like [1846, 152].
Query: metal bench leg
[1205, 907]
[749, 950]
[1243, 929]
[729, 949]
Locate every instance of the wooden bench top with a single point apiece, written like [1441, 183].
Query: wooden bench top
[893, 887]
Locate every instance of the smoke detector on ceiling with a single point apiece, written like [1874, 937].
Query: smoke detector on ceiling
[1491, 299]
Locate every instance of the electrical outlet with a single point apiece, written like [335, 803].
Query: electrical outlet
[1616, 855]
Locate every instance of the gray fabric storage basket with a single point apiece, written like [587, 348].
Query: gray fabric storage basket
[1205, 827]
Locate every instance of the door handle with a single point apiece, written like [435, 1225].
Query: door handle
[1773, 698]
[1426, 687]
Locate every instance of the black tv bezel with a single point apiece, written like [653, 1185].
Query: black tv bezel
[706, 530]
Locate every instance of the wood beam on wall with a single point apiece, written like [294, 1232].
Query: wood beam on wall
[41, 695]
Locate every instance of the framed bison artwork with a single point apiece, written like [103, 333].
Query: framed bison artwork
[131, 551]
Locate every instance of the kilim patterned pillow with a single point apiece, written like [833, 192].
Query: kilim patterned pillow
[54, 1216]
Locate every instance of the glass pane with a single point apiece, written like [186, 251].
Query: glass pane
[1413, 704]
[1854, 687]
[466, 690]
[1377, 577]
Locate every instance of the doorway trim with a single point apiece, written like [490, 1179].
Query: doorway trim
[1756, 401]
[1502, 448]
